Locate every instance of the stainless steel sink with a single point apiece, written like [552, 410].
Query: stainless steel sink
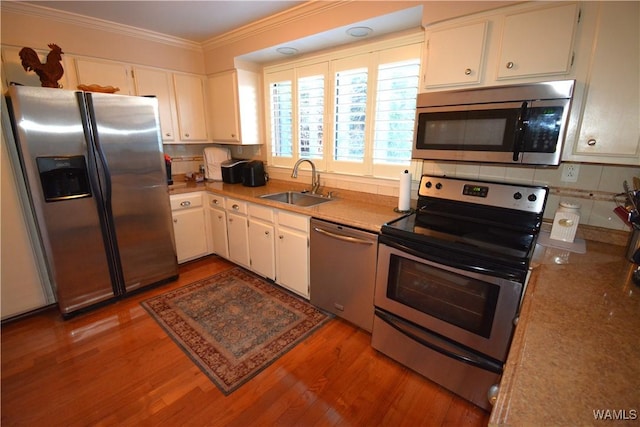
[296, 198]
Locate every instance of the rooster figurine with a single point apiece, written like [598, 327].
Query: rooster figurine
[49, 72]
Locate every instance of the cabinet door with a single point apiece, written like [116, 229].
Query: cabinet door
[218, 223]
[188, 227]
[238, 233]
[189, 91]
[158, 83]
[104, 73]
[454, 55]
[538, 42]
[609, 128]
[262, 248]
[223, 95]
[293, 260]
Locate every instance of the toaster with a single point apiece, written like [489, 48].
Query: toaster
[253, 174]
[232, 170]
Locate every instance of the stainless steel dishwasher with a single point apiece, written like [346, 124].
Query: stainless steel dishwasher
[343, 271]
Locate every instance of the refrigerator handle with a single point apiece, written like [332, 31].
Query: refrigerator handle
[101, 181]
[99, 154]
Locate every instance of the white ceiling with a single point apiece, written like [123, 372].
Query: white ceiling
[195, 21]
[200, 21]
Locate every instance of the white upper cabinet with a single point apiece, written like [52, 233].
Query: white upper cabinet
[455, 55]
[104, 73]
[522, 43]
[153, 82]
[190, 103]
[234, 104]
[607, 118]
[538, 42]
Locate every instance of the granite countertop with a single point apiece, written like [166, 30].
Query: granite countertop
[362, 210]
[576, 348]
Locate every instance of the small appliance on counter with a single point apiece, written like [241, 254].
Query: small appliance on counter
[232, 170]
[253, 174]
[213, 158]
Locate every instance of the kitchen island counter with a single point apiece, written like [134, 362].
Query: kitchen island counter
[576, 350]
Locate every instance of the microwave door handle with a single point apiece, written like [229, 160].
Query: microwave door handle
[521, 127]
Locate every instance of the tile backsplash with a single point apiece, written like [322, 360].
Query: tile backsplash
[594, 189]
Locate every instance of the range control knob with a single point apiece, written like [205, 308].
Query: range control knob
[438, 186]
[428, 184]
[517, 195]
[532, 197]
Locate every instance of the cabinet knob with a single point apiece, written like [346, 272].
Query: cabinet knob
[185, 204]
[219, 216]
[215, 202]
[281, 237]
[230, 219]
[510, 65]
[168, 134]
[175, 220]
[467, 72]
[591, 142]
[235, 207]
[233, 135]
[186, 135]
[266, 233]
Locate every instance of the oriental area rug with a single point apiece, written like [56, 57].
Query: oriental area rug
[234, 324]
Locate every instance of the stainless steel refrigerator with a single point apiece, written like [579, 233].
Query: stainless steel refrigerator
[95, 171]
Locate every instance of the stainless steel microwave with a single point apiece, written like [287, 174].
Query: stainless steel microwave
[514, 124]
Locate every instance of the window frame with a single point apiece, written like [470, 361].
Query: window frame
[370, 55]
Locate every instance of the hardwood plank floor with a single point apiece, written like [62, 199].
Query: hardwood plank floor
[115, 366]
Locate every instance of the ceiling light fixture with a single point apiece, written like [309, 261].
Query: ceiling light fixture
[287, 50]
[359, 31]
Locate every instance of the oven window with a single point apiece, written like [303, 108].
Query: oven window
[462, 301]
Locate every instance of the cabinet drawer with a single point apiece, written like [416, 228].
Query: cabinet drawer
[237, 206]
[215, 201]
[262, 212]
[291, 220]
[185, 201]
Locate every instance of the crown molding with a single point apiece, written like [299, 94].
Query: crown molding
[95, 23]
[277, 21]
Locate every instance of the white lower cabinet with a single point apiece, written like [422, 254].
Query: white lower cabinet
[262, 241]
[292, 252]
[188, 226]
[217, 225]
[270, 242]
[238, 232]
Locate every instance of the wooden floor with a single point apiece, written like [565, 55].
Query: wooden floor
[115, 366]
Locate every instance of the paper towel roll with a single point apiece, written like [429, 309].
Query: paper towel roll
[404, 199]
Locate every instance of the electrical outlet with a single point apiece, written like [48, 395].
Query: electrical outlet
[570, 172]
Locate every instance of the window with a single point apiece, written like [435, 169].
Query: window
[352, 114]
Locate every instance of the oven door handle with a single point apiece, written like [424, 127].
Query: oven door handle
[454, 351]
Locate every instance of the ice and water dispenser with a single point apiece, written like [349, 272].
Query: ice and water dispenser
[63, 178]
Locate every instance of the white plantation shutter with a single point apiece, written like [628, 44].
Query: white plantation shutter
[352, 115]
[311, 95]
[395, 115]
[279, 98]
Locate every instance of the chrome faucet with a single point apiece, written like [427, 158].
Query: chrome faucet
[315, 177]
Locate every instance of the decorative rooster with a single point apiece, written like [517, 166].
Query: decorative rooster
[49, 72]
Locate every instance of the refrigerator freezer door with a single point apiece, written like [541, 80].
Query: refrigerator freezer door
[126, 133]
[48, 125]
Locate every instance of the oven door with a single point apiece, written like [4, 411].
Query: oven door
[474, 310]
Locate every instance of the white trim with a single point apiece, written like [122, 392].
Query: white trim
[271, 23]
[97, 24]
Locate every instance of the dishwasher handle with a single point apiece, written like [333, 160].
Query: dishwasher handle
[342, 237]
